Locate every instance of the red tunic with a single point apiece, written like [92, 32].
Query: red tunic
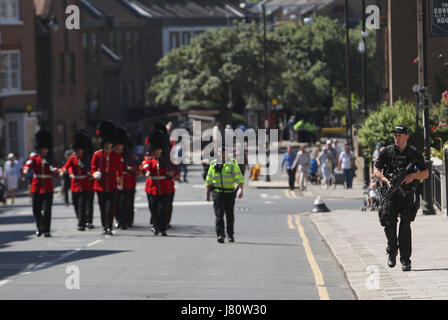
[130, 171]
[79, 174]
[157, 182]
[42, 176]
[109, 164]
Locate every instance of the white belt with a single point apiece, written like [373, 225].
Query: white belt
[78, 177]
[42, 176]
[157, 177]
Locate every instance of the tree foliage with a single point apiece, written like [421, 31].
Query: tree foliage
[304, 66]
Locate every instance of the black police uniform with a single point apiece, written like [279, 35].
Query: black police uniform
[389, 160]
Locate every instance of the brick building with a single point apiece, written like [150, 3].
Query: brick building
[398, 50]
[60, 79]
[17, 78]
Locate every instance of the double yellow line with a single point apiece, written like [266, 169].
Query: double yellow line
[318, 278]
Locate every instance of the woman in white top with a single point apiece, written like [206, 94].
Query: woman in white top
[346, 163]
[12, 175]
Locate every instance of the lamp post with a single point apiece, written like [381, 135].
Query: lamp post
[362, 50]
[416, 89]
[349, 89]
[427, 203]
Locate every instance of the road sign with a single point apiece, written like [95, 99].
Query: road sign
[439, 17]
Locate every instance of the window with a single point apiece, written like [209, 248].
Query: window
[112, 41]
[9, 11]
[137, 44]
[186, 37]
[122, 96]
[129, 43]
[118, 44]
[71, 68]
[174, 40]
[10, 71]
[85, 47]
[60, 69]
[94, 47]
[123, 44]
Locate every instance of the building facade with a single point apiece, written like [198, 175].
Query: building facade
[18, 95]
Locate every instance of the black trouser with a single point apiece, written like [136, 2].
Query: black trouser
[291, 178]
[125, 205]
[158, 204]
[106, 200]
[89, 215]
[399, 206]
[66, 188]
[81, 203]
[42, 201]
[223, 203]
[169, 208]
[131, 213]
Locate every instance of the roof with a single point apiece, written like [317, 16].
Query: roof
[190, 8]
[42, 7]
[115, 9]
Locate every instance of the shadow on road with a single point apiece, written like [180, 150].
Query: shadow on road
[11, 236]
[14, 262]
[16, 220]
[267, 244]
[434, 269]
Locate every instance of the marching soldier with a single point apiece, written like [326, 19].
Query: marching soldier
[125, 207]
[158, 180]
[106, 169]
[42, 184]
[78, 168]
[90, 192]
[221, 179]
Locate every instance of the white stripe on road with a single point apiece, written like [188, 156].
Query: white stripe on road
[2, 283]
[94, 243]
[179, 203]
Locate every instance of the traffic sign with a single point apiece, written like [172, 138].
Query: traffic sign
[439, 17]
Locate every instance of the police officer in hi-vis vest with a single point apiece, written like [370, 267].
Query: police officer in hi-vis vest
[106, 169]
[44, 170]
[221, 179]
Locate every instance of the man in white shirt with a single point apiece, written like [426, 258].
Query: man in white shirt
[346, 163]
[302, 161]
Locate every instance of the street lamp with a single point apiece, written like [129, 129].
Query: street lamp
[416, 89]
[349, 89]
[362, 50]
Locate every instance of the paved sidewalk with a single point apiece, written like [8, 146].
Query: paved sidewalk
[358, 242]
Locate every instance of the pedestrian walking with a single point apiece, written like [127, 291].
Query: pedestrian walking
[222, 177]
[11, 175]
[403, 204]
[291, 123]
[302, 163]
[106, 169]
[288, 160]
[77, 168]
[44, 168]
[326, 164]
[346, 162]
[66, 180]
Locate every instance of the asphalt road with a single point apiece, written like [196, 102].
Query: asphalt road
[278, 253]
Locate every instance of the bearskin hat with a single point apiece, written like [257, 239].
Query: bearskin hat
[156, 140]
[106, 131]
[43, 139]
[81, 141]
[121, 136]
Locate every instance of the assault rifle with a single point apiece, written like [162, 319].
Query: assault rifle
[395, 183]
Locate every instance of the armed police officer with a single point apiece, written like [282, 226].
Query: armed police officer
[221, 179]
[399, 160]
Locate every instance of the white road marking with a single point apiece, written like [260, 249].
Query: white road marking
[2, 283]
[94, 243]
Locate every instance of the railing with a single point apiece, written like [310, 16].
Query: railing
[436, 185]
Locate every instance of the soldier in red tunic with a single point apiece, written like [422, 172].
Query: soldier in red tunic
[159, 177]
[106, 169]
[42, 184]
[78, 168]
[125, 205]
